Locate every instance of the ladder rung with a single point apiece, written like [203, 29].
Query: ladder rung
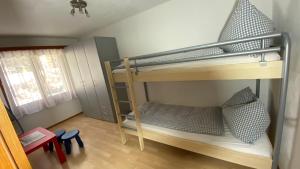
[120, 87]
[125, 101]
[124, 115]
[129, 128]
[128, 116]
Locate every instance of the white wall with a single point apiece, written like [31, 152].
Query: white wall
[174, 24]
[286, 15]
[51, 116]
[177, 24]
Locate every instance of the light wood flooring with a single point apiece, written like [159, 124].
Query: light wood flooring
[103, 150]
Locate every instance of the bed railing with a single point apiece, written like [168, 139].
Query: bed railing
[284, 48]
[206, 46]
[261, 51]
[285, 53]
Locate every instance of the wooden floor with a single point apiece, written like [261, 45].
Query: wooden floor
[103, 150]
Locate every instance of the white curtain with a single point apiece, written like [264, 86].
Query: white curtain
[35, 79]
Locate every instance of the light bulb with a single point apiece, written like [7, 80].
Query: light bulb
[86, 12]
[72, 11]
[80, 10]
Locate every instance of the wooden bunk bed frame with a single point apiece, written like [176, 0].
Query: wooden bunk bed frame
[256, 71]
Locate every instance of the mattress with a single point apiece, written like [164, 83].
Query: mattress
[272, 56]
[262, 147]
[201, 120]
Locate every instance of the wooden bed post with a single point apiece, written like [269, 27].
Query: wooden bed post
[115, 100]
[12, 154]
[133, 103]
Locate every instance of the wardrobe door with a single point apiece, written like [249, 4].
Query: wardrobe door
[103, 97]
[108, 51]
[94, 110]
[76, 78]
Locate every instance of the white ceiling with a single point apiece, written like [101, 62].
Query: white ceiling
[52, 17]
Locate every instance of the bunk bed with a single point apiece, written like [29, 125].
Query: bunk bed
[272, 63]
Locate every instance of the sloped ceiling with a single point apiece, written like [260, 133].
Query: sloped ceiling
[52, 17]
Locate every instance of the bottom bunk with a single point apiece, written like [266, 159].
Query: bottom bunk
[262, 147]
[235, 132]
[227, 148]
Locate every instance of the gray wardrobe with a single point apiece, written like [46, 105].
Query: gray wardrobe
[86, 61]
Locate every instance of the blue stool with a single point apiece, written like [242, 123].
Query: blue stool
[59, 134]
[66, 138]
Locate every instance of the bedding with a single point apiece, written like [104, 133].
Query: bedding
[246, 21]
[179, 56]
[199, 120]
[261, 147]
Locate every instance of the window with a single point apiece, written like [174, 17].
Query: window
[35, 79]
[53, 74]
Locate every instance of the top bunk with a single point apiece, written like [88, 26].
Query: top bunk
[208, 62]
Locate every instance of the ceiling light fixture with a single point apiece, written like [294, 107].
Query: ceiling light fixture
[81, 5]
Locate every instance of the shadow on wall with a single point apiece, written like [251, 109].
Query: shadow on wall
[287, 19]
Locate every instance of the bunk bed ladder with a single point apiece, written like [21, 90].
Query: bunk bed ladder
[115, 101]
[133, 103]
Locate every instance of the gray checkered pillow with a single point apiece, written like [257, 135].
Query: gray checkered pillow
[247, 122]
[244, 96]
[246, 21]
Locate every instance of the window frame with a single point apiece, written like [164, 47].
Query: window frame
[64, 92]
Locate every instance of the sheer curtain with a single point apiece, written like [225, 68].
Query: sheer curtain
[35, 79]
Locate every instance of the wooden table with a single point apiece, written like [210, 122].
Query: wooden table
[43, 142]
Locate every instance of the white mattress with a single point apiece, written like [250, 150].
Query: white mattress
[273, 56]
[262, 147]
